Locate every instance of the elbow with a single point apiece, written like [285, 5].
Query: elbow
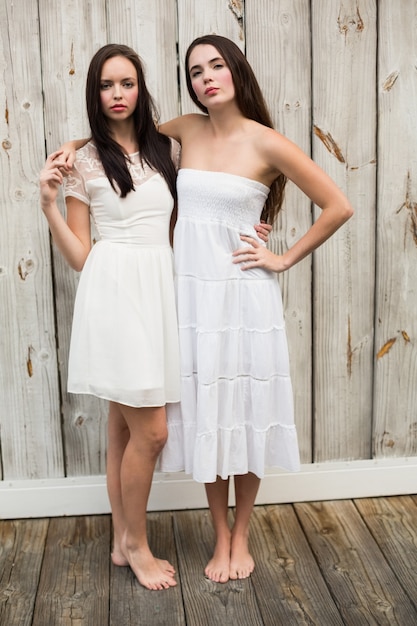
[77, 264]
[77, 261]
[346, 212]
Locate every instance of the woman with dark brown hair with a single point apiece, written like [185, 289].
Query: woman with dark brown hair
[124, 344]
[236, 411]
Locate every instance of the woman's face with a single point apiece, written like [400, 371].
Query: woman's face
[118, 88]
[210, 76]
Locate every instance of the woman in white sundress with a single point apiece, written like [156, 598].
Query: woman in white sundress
[124, 340]
[236, 411]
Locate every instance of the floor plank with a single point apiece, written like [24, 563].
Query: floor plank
[392, 522]
[206, 602]
[141, 606]
[363, 585]
[317, 564]
[22, 544]
[287, 580]
[74, 582]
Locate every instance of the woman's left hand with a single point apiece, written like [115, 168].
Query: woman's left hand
[256, 255]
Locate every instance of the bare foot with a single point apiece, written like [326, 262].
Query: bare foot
[152, 573]
[165, 566]
[118, 558]
[241, 561]
[218, 567]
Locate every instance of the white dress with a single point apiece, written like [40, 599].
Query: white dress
[124, 340]
[236, 411]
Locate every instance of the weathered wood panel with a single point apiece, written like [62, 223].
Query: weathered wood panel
[45, 49]
[70, 35]
[344, 124]
[280, 32]
[395, 397]
[29, 411]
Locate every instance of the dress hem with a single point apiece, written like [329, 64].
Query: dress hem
[165, 470]
[119, 401]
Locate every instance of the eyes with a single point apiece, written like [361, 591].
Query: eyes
[197, 72]
[127, 84]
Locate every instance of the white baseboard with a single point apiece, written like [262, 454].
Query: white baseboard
[320, 481]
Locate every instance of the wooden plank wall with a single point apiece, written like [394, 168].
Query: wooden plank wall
[395, 401]
[344, 46]
[340, 79]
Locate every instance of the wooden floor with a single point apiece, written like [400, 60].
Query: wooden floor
[324, 563]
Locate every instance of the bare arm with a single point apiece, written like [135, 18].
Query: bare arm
[171, 129]
[284, 156]
[179, 126]
[72, 237]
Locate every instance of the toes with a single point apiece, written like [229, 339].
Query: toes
[217, 577]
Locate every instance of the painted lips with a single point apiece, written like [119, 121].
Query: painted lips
[210, 91]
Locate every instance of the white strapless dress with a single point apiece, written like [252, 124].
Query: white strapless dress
[236, 412]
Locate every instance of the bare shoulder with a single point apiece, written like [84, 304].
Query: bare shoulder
[181, 126]
[280, 153]
[270, 141]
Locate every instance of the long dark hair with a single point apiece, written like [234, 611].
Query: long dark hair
[155, 148]
[249, 99]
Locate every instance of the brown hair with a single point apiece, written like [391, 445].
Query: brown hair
[155, 148]
[249, 99]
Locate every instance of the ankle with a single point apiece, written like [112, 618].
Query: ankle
[223, 535]
[134, 543]
[239, 536]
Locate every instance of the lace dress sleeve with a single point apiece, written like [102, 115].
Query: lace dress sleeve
[175, 152]
[74, 185]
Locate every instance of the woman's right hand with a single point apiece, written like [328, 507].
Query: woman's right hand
[50, 179]
[68, 151]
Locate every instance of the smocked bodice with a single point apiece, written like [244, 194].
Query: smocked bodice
[235, 201]
[214, 209]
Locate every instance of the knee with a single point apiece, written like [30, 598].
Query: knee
[148, 429]
[157, 439]
[157, 444]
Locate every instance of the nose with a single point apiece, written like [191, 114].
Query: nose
[116, 93]
[207, 76]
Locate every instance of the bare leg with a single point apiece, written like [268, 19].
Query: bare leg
[118, 436]
[241, 561]
[218, 497]
[147, 435]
